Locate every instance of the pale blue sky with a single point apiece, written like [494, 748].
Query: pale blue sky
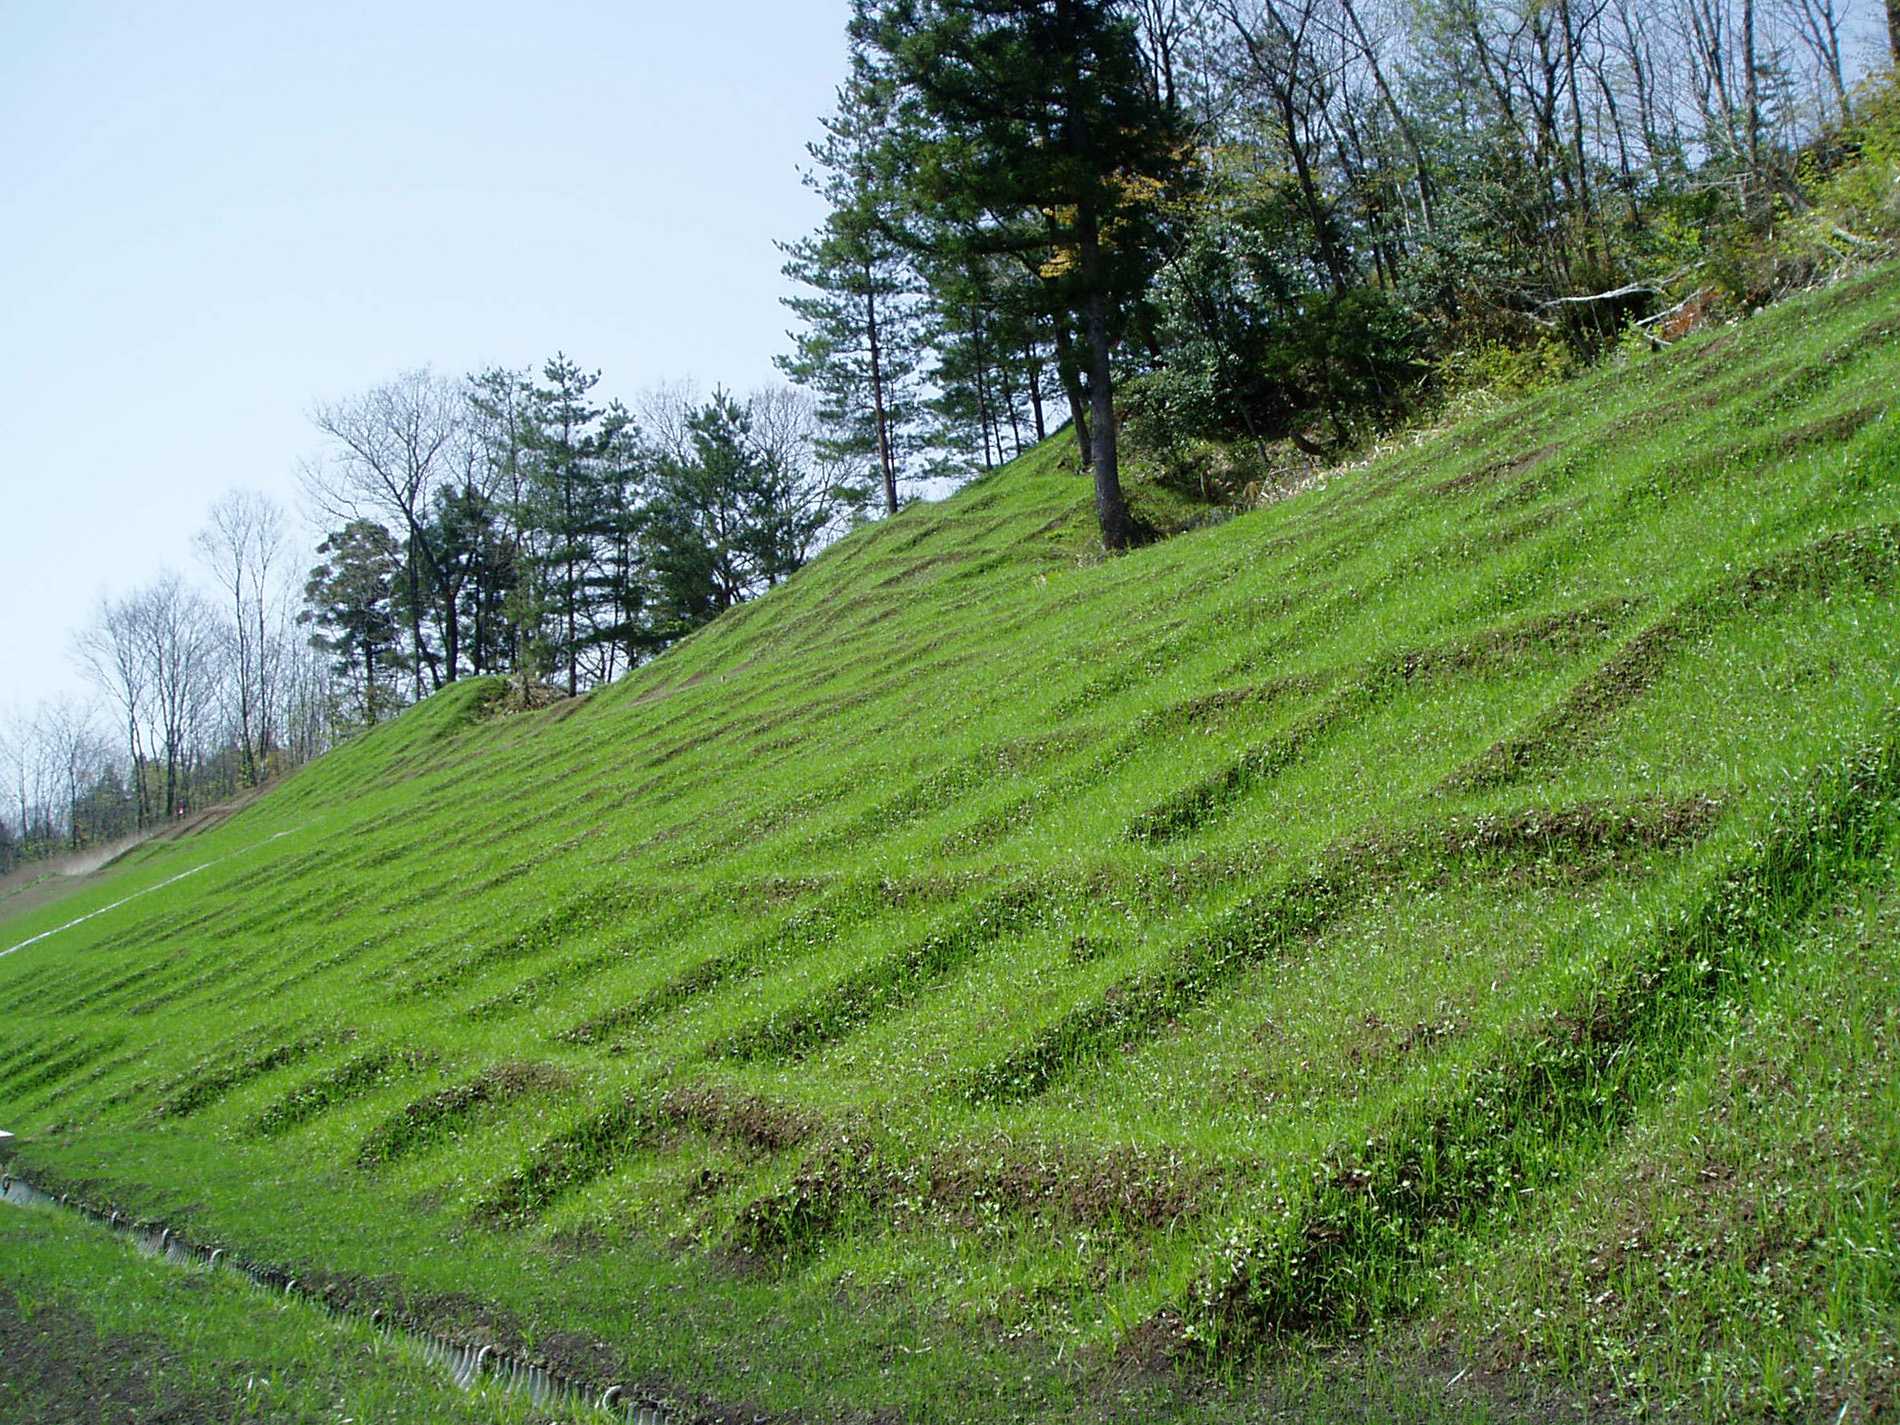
[212, 214]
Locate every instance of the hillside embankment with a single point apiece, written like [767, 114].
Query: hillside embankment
[1436, 927]
[32, 885]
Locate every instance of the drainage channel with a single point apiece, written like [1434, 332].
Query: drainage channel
[468, 1366]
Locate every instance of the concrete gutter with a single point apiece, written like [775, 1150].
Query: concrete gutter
[468, 1366]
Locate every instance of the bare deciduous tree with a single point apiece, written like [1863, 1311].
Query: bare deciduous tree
[664, 413]
[72, 754]
[391, 449]
[1818, 26]
[178, 632]
[819, 497]
[242, 547]
[112, 649]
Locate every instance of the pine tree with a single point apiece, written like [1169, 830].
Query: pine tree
[1028, 129]
[859, 350]
[501, 407]
[350, 596]
[616, 589]
[698, 549]
[476, 555]
[575, 457]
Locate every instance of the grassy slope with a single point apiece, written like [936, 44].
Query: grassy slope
[978, 962]
[125, 1338]
[1740, 1250]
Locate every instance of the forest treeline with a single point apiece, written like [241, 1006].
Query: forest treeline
[200, 687]
[1238, 233]
[504, 523]
[1271, 226]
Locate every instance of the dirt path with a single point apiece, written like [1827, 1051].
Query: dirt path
[37, 883]
[169, 880]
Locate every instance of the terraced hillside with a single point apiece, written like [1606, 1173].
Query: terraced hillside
[980, 961]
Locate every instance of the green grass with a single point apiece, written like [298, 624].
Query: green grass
[1131, 980]
[1738, 1253]
[197, 1344]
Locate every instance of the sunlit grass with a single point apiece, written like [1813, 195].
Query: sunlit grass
[980, 951]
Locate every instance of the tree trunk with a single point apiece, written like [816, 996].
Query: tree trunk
[1111, 510]
[415, 619]
[1751, 96]
[985, 407]
[426, 654]
[567, 533]
[1577, 154]
[451, 630]
[885, 463]
[1893, 31]
[1034, 369]
[138, 772]
[1009, 405]
[266, 689]
[1316, 213]
[1071, 375]
[1427, 195]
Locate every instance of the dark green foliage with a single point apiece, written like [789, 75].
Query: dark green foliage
[859, 350]
[351, 597]
[1259, 345]
[1030, 132]
[578, 504]
[727, 519]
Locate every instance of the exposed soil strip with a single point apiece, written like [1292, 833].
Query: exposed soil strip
[1342, 1252]
[806, 930]
[428, 1120]
[57, 1367]
[213, 1081]
[592, 1148]
[891, 982]
[350, 1080]
[589, 911]
[1591, 837]
[1496, 649]
[1122, 1189]
[1580, 720]
[20, 1085]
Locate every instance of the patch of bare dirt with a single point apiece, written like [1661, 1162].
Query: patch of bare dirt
[56, 1369]
[1495, 471]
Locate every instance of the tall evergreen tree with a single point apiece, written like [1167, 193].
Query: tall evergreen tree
[1030, 128]
[477, 568]
[501, 420]
[697, 545]
[859, 349]
[576, 453]
[350, 597]
[737, 509]
[617, 585]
